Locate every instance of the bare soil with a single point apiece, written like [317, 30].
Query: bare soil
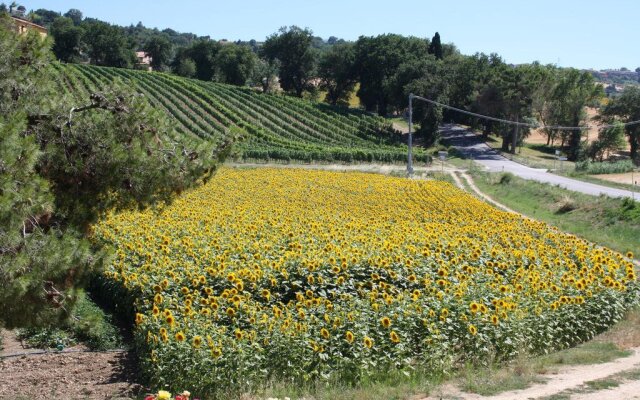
[54, 375]
[620, 178]
[562, 380]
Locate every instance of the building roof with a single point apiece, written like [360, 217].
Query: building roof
[26, 21]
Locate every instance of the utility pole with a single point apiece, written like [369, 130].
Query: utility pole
[515, 135]
[410, 155]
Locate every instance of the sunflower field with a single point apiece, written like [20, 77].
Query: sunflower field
[272, 275]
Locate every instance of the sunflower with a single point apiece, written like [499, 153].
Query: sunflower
[180, 337]
[231, 312]
[385, 322]
[139, 318]
[216, 352]
[170, 320]
[394, 337]
[324, 333]
[368, 342]
[473, 330]
[349, 336]
[197, 341]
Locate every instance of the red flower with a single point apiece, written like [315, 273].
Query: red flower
[150, 397]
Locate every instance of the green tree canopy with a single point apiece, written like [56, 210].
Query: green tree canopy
[336, 71]
[107, 45]
[292, 48]
[159, 49]
[376, 62]
[64, 165]
[67, 39]
[626, 108]
[435, 47]
[234, 64]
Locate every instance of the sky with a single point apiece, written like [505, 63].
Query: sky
[568, 33]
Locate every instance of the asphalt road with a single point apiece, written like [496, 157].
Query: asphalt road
[471, 145]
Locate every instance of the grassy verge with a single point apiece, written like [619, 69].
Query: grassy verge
[614, 223]
[89, 325]
[534, 156]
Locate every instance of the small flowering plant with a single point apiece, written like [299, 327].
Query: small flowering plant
[164, 395]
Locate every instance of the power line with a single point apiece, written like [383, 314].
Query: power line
[526, 124]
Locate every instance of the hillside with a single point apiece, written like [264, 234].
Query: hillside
[278, 127]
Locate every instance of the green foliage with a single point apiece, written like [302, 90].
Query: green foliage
[376, 62]
[626, 108]
[62, 166]
[89, 325]
[275, 127]
[435, 47]
[67, 39]
[335, 69]
[506, 178]
[107, 45]
[234, 64]
[159, 49]
[292, 48]
[596, 168]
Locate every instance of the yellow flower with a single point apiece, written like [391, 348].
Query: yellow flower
[473, 330]
[139, 318]
[368, 342]
[349, 336]
[164, 395]
[394, 337]
[324, 333]
[385, 322]
[216, 352]
[197, 341]
[180, 337]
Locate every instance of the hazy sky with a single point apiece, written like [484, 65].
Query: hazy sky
[577, 33]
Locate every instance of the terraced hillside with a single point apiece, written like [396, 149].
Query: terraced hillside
[278, 127]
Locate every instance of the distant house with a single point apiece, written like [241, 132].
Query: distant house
[143, 61]
[22, 24]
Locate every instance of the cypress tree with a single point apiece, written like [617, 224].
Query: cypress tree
[435, 47]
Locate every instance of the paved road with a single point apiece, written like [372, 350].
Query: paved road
[473, 147]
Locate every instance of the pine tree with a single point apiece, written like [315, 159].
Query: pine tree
[63, 166]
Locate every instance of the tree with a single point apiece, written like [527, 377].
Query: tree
[376, 62]
[574, 90]
[336, 72]
[3, 8]
[67, 39]
[435, 47]
[64, 165]
[265, 74]
[107, 45]
[234, 64]
[609, 139]
[45, 17]
[159, 49]
[626, 108]
[203, 53]
[75, 15]
[292, 48]
[186, 68]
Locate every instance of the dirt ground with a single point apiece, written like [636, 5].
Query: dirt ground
[621, 178]
[537, 137]
[65, 375]
[564, 380]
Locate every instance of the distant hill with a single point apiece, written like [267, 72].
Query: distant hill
[278, 127]
[617, 77]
